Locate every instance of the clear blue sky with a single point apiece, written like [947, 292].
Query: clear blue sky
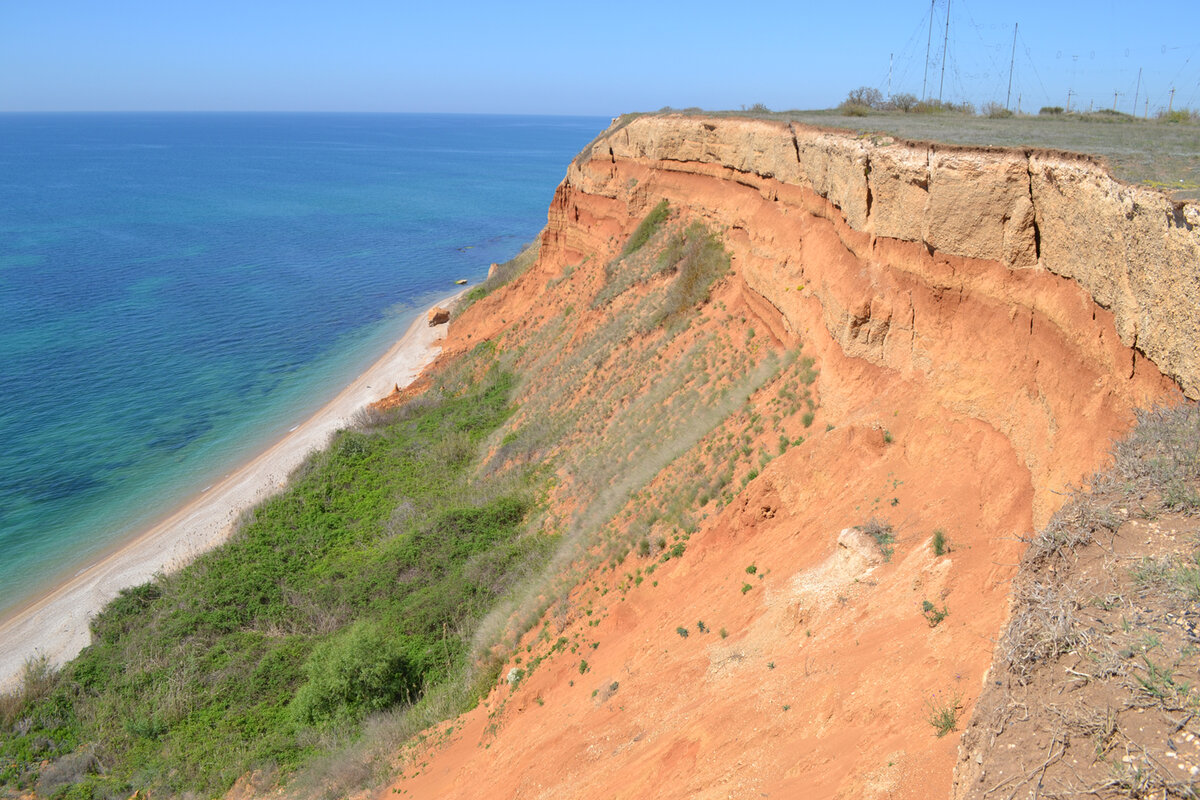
[564, 57]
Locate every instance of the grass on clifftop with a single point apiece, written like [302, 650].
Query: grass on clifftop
[355, 590]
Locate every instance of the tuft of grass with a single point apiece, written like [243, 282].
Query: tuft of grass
[943, 714]
[938, 543]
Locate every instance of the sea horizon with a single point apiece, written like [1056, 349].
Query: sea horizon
[174, 299]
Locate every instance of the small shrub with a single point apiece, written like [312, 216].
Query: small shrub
[938, 543]
[1177, 115]
[933, 614]
[883, 535]
[746, 587]
[994, 110]
[750, 570]
[943, 715]
[1050, 110]
[861, 100]
[583, 667]
[700, 626]
[682, 631]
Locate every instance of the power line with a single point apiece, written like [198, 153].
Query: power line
[1029, 56]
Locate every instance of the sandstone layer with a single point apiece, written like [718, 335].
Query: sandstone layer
[983, 323]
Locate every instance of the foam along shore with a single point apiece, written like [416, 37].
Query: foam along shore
[56, 624]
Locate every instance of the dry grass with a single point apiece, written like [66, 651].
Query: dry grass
[1092, 692]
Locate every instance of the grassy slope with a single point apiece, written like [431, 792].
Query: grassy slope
[376, 561]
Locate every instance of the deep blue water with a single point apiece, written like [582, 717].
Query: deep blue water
[177, 290]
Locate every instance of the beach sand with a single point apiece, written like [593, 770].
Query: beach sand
[56, 624]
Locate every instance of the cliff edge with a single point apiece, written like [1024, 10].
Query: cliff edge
[803, 494]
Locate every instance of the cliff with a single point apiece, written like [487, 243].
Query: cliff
[976, 327]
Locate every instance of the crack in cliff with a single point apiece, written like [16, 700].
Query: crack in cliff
[1037, 232]
[867, 183]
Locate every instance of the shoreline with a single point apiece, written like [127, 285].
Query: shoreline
[55, 623]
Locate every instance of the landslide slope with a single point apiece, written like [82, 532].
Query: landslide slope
[793, 488]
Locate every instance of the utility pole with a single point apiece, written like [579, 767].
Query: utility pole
[928, 42]
[1069, 93]
[1012, 60]
[1146, 115]
[1137, 91]
[890, 57]
[1115, 95]
[945, 52]
[1018, 104]
[1171, 102]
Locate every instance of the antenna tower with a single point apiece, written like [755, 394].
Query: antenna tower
[928, 42]
[945, 52]
[1012, 60]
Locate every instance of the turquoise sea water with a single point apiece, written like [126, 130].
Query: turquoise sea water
[178, 290]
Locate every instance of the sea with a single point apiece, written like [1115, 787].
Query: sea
[177, 291]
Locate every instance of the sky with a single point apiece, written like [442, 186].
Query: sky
[573, 58]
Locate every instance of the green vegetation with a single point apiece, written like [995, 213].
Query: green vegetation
[938, 543]
[942, 714]
[356, 589]
[932, 613]
[697, 259]
[648, 227]
[882, 533]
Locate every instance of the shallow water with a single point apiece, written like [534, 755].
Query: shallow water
[178, 290]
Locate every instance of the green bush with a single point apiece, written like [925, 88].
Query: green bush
[362, 669]
[938, 544]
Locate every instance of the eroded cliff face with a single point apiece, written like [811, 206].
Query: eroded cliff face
[946, 264]
[982, 323]
[1133, 250]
